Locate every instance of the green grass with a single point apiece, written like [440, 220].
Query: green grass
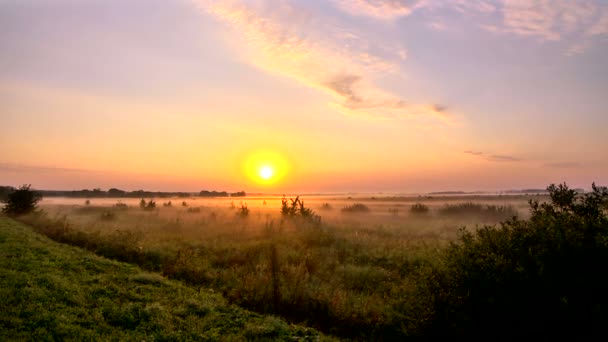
[52, 291]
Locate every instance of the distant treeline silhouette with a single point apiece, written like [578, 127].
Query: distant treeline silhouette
[113, 192]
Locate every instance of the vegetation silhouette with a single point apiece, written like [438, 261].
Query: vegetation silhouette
[419, 209]
[356, 208]
[547, 275]
[21, 201]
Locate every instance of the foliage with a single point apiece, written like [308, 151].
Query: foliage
[21, 201]
[546, 275]
[419, 209]
[150, 205]
[243, 211]
[5, 191]
[120, 205]
[326, 206]
[470, 209]
[56, 292]
[356, 208]
[294, 208]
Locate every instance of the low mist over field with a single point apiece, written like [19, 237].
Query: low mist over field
[303, 170]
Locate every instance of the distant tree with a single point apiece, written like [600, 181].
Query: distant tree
[113, 192]
[238, 194]
[5, 191]
[21, 201]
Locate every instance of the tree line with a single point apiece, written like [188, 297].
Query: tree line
[5, 191]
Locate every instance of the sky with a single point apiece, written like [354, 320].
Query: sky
[396, 96]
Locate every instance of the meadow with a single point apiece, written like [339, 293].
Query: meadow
[353, 268]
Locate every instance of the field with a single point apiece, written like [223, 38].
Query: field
[53, 292]
[352, 272]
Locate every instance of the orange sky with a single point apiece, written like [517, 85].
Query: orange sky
[335, 96]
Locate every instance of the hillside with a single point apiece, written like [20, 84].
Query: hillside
[52, 291]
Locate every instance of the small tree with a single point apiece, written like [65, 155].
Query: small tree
[21, 201]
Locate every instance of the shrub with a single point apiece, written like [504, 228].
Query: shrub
[120, 205]
[326, 206]
[21, 201]
[150, 205]
[545, 275]
[356, 208]
[296, 209]
[243, 211]
[470, 209]
[419, 209]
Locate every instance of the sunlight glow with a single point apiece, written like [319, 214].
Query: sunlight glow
[266, 172]
[265, 167]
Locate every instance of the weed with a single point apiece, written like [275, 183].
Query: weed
[356, 208]
[419, 209]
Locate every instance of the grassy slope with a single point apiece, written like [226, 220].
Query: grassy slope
[50, 291]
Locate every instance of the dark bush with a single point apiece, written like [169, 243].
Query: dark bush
[547, 275]
[476, 210]
[419, 209]
[294, 208]
[356, 208]
[150, 205]
[21, 201]
[243, 211]
[326, 206]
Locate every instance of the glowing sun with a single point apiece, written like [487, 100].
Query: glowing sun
[265, 167]
[266, 172]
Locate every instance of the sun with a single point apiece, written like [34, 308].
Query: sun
[266, 172]
[265, 167]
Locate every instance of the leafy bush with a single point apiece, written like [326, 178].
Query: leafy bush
[326, 206]
[419, 209]
[545, 275]
[476, 210]
[150, 205]
[356, 208]
[120, 205]
[296, 209]
[243, 211]
[21, 201]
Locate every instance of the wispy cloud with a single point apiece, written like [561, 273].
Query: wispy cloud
[548, 19]
[563, 165]
[289, 41]
[502, 158]
[380, 9]
[35, 168]
[494, 157]
[575, 22]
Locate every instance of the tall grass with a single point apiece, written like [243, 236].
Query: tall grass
[358, 276]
